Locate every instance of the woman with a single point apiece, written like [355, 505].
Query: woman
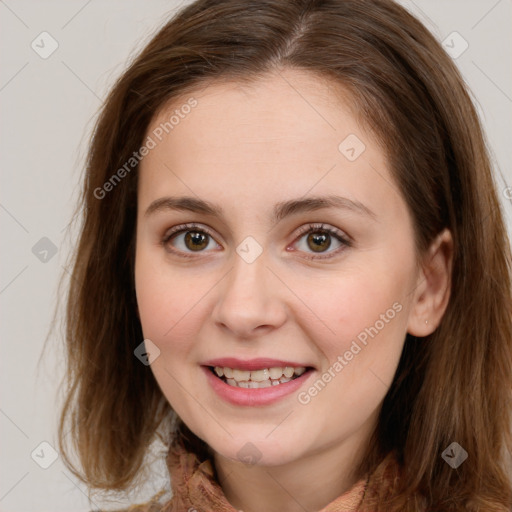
[293, 260]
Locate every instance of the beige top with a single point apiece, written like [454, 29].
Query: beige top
[195, 489]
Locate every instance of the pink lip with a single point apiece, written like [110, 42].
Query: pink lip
[254, 397]
[251, 364]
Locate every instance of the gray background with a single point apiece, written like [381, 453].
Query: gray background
[47, 110]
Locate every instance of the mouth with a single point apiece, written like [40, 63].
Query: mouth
[256, 382]
[258, 378]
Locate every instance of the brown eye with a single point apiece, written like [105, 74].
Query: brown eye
[185, 240]
[319, 242]
[196, 240]
[323, 240]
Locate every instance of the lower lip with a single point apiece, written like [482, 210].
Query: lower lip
[255, 396]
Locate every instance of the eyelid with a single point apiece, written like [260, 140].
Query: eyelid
[187, 226]
[183, 228]
[321, 226]
[344, 239]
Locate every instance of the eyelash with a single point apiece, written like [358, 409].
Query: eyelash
[305, 230]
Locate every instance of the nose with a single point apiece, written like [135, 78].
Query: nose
[249, 300]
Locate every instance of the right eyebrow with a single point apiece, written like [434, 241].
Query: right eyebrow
[190, 204]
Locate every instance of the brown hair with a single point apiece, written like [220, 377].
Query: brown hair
[451, 386]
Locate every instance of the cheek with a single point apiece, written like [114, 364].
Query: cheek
[361, 354]
[352, 308]
[165, 301]
[174, 304]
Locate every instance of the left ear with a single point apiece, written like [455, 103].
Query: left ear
[432, 291]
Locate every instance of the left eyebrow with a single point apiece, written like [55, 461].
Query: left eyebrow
[280, 211]
[310, 204]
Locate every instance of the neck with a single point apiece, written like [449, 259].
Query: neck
[288, 487]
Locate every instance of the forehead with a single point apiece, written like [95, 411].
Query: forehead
[288, 112]
[313, 102]
[287, 132]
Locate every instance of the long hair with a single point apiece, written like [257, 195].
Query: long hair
[452, 386]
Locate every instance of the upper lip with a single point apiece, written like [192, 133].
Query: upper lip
[251, 364]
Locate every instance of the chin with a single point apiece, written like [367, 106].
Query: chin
[254, 450]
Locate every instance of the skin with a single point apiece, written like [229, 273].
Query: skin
[247, 148]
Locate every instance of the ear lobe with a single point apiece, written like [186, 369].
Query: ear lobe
[432, 292]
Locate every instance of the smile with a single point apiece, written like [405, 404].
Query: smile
[258, 383]
[257, 379]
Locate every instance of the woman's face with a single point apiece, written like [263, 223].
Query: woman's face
[230, 278]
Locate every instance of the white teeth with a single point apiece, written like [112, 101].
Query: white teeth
[264, 384]
[253, 385]
[275, 373]
[288, 371]
[258, 378]
[260, 375]
[240, 375]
